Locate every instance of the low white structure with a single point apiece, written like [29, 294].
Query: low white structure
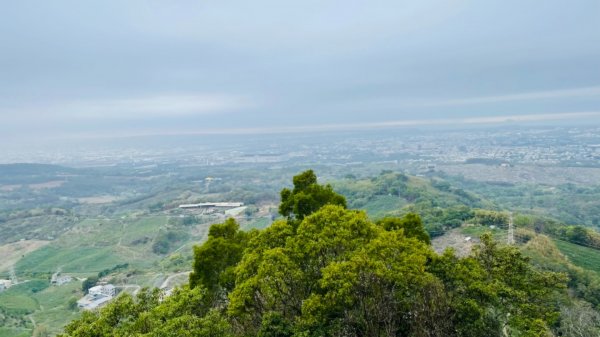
[105, 290]
[5, 284]
[97, 296]
[59, 280]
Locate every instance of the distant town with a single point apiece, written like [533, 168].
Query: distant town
[562, 146]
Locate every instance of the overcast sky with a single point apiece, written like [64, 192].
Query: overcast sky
[81, 68]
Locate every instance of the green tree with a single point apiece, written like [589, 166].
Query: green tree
[373, 292]
[307, 197]
[186, 312]
[88, 283]
[279, 274]
[215, 260]
[490, 218]
[497, 290]
[410, 224]
[72, 304]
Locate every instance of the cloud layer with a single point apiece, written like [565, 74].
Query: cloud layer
[71, 68]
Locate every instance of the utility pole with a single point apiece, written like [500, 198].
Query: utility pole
[13, 276]
[511, 231]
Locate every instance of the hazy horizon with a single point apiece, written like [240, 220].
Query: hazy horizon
[74, 71]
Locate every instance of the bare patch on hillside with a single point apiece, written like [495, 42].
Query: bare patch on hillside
[12, 252]
[462, 244]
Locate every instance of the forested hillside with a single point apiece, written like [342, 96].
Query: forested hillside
[325, 270]
[441, 205]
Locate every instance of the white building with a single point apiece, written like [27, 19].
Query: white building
[97, 296]
[104, 290]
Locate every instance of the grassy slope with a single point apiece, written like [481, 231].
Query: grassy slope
[146, 227]
[47, 307]
[584, 257]
[93, 246]
[54, 313]
[71, 260]
[18, 301]
[381, 205]
[19, 298]
[15, 332]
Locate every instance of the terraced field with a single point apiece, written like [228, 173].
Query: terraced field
[585, 257]
[38, 305]
[71, 260]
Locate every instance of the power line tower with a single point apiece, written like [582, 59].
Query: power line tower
[207, 182]
[511, 231]
[13, 275]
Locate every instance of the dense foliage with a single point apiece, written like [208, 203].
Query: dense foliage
[579, 235]
[307, 197]
[440, 205]
[330, 271]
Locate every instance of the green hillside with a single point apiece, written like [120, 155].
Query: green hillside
[584, 257]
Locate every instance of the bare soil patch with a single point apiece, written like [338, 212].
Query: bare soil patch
[456, 240]
[12, 252]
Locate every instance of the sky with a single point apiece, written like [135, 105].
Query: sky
[80, 69]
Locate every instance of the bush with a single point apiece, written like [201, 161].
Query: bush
[88, 283]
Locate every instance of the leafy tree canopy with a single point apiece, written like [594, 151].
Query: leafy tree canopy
[307, 197]
[411, 224]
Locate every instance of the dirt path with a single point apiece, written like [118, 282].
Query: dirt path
[165, 284]
[32, 321]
